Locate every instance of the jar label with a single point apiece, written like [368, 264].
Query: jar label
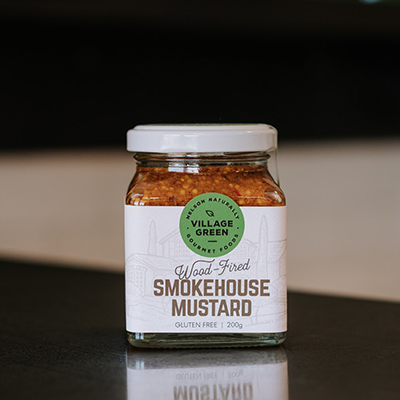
[231, 277]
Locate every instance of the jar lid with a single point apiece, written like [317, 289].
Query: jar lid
[202, 138]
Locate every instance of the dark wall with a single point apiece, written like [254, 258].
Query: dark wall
[71, 80]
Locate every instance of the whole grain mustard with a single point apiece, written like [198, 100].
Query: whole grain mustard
[247, 185]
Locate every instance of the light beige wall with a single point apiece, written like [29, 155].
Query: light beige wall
[65, 206]
[344, 218]
[343, 205]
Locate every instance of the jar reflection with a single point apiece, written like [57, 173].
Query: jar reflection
[238, 374]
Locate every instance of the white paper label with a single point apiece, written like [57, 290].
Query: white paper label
[170, 288]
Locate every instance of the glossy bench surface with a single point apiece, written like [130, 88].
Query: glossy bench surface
[62, 336]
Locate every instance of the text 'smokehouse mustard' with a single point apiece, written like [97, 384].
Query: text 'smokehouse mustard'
[205, 237]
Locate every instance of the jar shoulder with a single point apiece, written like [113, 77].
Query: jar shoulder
[246, 186]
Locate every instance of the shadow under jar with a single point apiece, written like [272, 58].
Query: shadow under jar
[205, 238]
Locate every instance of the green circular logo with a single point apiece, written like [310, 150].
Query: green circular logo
[211, 224]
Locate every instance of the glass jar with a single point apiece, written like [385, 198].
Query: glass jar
[205, 238]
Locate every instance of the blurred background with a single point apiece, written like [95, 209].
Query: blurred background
[76, 75]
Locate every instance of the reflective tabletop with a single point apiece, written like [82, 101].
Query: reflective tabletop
[241, 374]
[62, 337]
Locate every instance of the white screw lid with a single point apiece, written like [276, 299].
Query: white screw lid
[201, 138]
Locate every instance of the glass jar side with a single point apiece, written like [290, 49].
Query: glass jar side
[167, 180]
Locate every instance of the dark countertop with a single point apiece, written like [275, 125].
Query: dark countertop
[62, 337]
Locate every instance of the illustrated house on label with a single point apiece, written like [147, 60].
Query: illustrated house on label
[142, 269]
[174, 247]
[276, 268]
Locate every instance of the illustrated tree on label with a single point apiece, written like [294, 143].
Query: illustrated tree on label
[262, 259]
[152, 249]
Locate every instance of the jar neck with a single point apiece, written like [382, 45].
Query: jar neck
[179, 160]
